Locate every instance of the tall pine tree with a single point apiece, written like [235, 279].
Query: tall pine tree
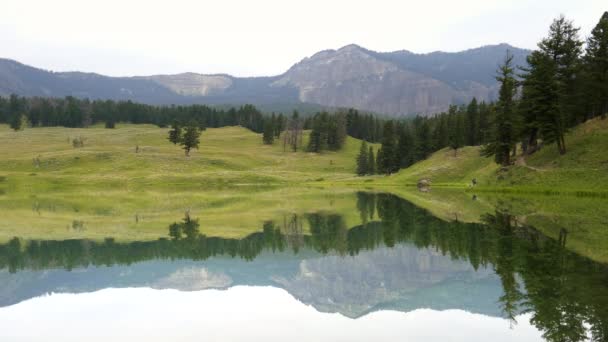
[388, 161]
[504, 130]
[596, 67]
[362, 160]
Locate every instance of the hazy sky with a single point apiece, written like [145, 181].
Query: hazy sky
[261, 37]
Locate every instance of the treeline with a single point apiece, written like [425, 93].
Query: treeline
[328, 131]
[70, 111]
[559, 88]
[407, 141]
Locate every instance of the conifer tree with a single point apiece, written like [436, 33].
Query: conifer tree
[371, 162]
[504, 137]
[405, 147]
[564, 48]
[362, 160]
[472, 123]
[388, 161]
[191, 137]
[596, 67]
[268, 135]
[457, 133]
[175, 133]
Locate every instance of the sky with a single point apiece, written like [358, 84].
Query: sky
[261, 37]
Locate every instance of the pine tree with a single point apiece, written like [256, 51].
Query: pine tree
[175, 133]
[371, 162]
[472, 123]
[110, 124]
[362, 160]
[457, 133]
[405, 147]
[317, 141]
[504, 137]
[280, 125]
[596, 67]
[19, 122]
[268, 135]
[539, 106]
[388, 161]
[562, 49]
[191, 138]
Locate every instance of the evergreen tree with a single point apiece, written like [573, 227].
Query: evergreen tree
[317, 140]
[405, 147]
[596, 67]
[362, 160]
[387, 155]
[175, 133]
[336, 131]
[371, 162]
[19, 122]
[191, 137]
[280, 125]
[110, 124]
[564, 47]
[424, 141]
[268, 135]
[539, 106]
[504, 137]
[558, 64]
[472, 123]
[457, 133]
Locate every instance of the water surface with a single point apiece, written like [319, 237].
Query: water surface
[399, 273]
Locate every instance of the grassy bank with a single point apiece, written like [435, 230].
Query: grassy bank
[583, 170]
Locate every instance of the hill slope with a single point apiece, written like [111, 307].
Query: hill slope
[395, 83]
[46, 184]
[583, 168]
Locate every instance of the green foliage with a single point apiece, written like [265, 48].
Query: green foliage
[175, 133]
[387, 160]
[371, 161]
[363, 160]
[110, 124]
[504, 134]
[328, 132]
[596, 67]
[191, 137]
[269, 132]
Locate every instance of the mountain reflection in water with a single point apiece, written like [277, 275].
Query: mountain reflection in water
[400, 259]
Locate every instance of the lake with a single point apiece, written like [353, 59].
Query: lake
[359, 266]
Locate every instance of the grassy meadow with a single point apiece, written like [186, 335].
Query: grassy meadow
[130, 183]
[232, 184]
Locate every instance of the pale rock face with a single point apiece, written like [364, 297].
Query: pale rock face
[350, 77]
[193, 279]
[191, 84]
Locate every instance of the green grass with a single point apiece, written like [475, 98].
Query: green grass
[232, 184]
[583, 170]
[50, 190]
[42, 159]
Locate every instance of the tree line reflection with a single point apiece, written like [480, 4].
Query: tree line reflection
[567, 294]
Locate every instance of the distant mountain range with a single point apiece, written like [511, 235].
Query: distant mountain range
[393, 83]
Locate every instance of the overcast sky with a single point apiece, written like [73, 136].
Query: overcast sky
[261, 37]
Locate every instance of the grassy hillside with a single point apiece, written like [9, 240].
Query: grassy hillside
[43, 159]
[232, 184]
[583, 168]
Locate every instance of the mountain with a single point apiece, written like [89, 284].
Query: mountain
[393, 83]
[401, 278]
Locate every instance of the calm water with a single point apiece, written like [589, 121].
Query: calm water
[401, 274]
